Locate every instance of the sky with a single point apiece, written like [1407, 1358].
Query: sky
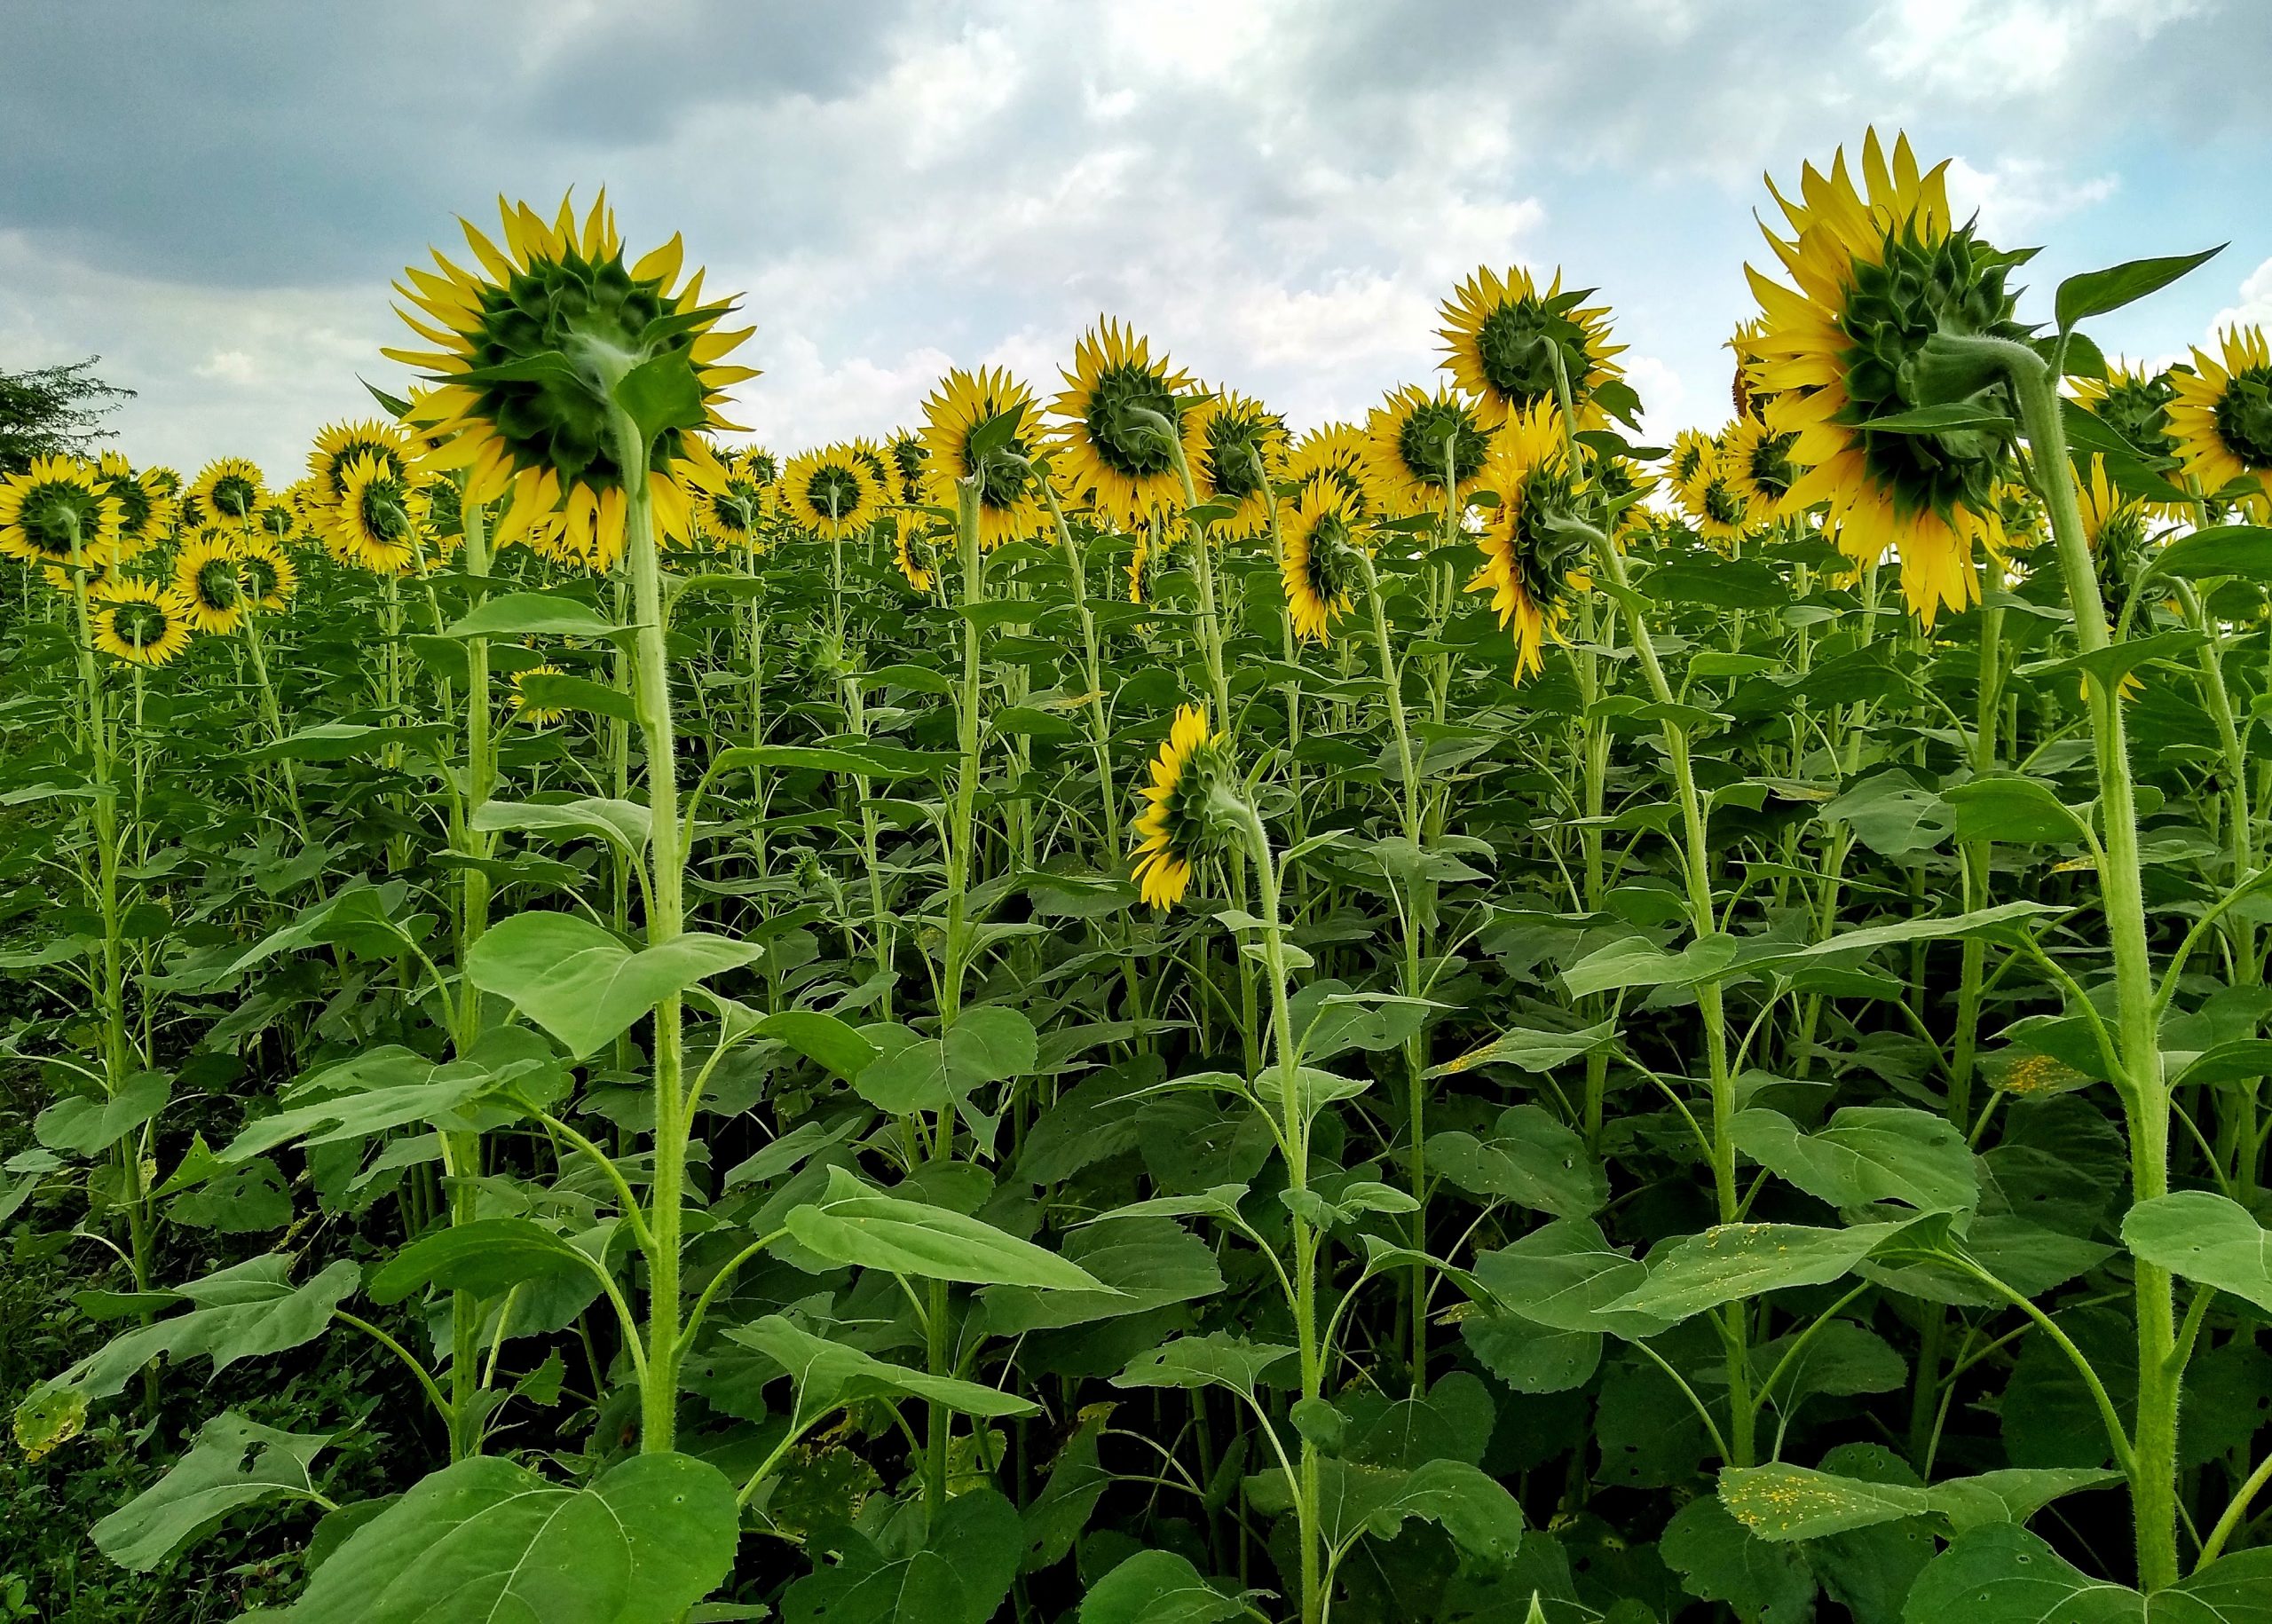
[1279, 193]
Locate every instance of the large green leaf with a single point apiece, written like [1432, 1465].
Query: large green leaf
[87, 1126]
[487, 1257]
[1147, 1262]
[989, 1044]
[1531, 1158]
[1531, 1048]
[957, 1571]
[1156, 1587]
[1865, 1153]
[232, 1462]
[2000, 1573]
[1217, 1360]
[2205, 1238]
[392, 1087]
[1782, 1502]
[829, 1374]
[1355, 1499]
[2095, 292]
[1734, 1261]
[531, 614]
[574, 978]
[855, 1225]
[487, 1540]
[625, 825]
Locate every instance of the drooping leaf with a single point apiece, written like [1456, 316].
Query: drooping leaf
[2206, 1238]
[1156, 1587]
[233, 1462]
[574, 978]
[1865, 1153]
[855, 1225]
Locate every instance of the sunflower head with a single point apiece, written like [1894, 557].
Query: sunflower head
[145, 509]
[1744, 392]
[831, 491]
[1533, 556]
[340, 445]
[984, 426]
[730, 501]
[1621, 479]
[1237, 451]
[2019, 521]
[57, 512]
[376, 524]
[2134, 403]
[1755, 464]
[1336, 451]
[140, 622]
[2221, 419]
[1110, 417]
[907, 451]
[528, 710]
[1721, 513]
[1317, 561]
[1694, 461]
[758, 464]
[1423, 450]
[1183, 816]
[553, 352]
[1503, 335]
[210, 583]
[230, 491]
[1881, 271]
[2118, 531]
[266, 571]
[912, 550]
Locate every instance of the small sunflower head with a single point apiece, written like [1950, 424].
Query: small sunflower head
[1237, 449]
[985, 427]
[2118, 529]
[1110, 417]
[1534, 553]
[908, 454]
[2221, 420]
[266, 571]
[912, 551]
[1503, 335]
[230, 491]
[528, 709]
[1336, 452]
[1694, 462]
[1423, 450]
[340, 445]
[57, 512]
[2135, 402]
[1744, 392]
[730, 501]
[1187, 810]
[1755, 464]
[1622, 480]
[145, 509]
[1317, 564]
[376, 524]
[209, 581]
[140, 622]
[831, 491]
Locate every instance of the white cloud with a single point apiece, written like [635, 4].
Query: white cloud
[2255, 306]
[2017, 197]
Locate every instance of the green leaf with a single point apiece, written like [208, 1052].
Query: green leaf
[1565, 1275]
[342, 741]
[2004, 919]
[1217, 1360]
[830, 1375]
[241, 1312]
[576, 980]
[1532, 1159]
[1720, 1560]
[2011, 810]
[232, 1462]
[2245, 550]
[2095, 292]
[662, 393]
[1156, 1587]
[625, 825]
[2205, 1238]
[861, 760]
[534, 614]
[823, 1038]
[856, 1226]
[1782, 1502]
[378, 1092]
[1146, 1262]
[1638, 962]
[486, 1539]
[1948, 417]
[1734, 1261]
[1534, 1049]
[487, 1257]
[956, 1572]
[82, 1126]
[991, 1043]
[560, 690]
[1865, 1153]
[2002, 1574]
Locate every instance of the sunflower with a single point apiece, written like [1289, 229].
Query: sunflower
[146, 506]
[913, 553]
[1009, 487]
[731, 502]
[1138, 575]
[1238, 449]
[1316, 562]
[1720, 511]
[759, 464]
[1532, 560]
[1337, 452]
[440, 507]
[1755, 463]
[57, 512]
[907, 451]
[269, 576]
[1501, 337]
[230, 491]
[2134, 403]
[206, 577]
[2221, 419]
[1882, 272]
[2019, 524]
[1413, 441]
[528, 351]
[1694, 461]
[278, 520]
[831, 491]
[1744, 392]
[374, 524]
[1109, 450]
[526, 709]
[341, 446]
[1178, 826]
[140, 622]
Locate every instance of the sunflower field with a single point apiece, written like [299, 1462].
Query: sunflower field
[1105, 1009]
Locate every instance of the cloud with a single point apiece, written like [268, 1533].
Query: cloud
[2255, 306]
